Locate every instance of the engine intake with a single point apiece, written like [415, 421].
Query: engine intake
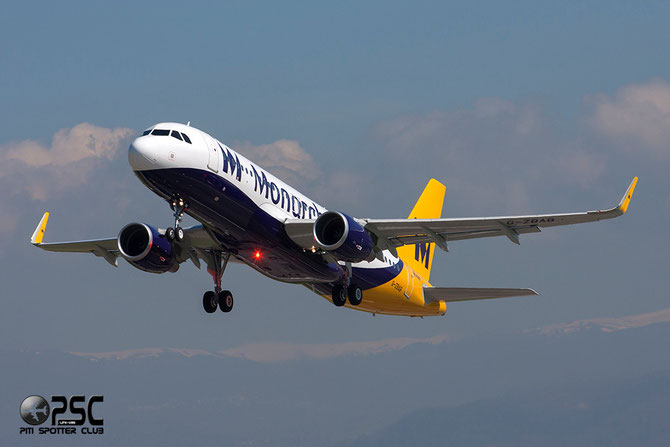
[146, 249]
[347, 239]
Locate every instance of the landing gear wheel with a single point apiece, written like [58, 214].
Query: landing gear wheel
[355, 294]
[209, 302]
[339, 296]
[170, 234]
[226, 301]
[179, 234]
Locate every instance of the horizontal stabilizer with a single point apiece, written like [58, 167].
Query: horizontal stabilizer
[448, 294]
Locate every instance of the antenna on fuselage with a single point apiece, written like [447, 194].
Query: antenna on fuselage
[188, 124]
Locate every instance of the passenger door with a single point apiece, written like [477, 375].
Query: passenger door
[213, 148]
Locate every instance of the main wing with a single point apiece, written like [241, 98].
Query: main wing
[197, 244]
[397, 232]
[393, 233]
[105, 248]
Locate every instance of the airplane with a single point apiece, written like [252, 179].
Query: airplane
[249, 216]
[34, 410]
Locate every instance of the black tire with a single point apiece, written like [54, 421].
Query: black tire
[339, 296]
[209, 302]
[226, 301]
[179, 234]
[169, 234]
[355, 295]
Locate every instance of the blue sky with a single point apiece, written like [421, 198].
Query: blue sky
[524, 107]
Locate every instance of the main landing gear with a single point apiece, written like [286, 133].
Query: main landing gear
[348, 290]
[223, 299]
[177, 205]
[341, 294]
[216, 262]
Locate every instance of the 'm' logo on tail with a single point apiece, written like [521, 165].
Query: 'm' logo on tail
[422, 250]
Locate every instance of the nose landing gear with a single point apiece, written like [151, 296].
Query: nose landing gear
[178, 205]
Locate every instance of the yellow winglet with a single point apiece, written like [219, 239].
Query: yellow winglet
[38, 235]
[625, 200]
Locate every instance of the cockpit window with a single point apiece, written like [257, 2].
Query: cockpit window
[175, 134]
[186, 138]
[161, 132]
[146, 132]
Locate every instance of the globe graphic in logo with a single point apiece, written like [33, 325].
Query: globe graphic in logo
[34, 410]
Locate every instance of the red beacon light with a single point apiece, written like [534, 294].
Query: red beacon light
[257, 255]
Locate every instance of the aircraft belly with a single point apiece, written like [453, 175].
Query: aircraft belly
[240, 225]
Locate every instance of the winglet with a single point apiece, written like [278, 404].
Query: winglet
[625, 200]
[38, 235]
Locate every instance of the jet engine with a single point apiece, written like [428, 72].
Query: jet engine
[343, 236]
[145, 248]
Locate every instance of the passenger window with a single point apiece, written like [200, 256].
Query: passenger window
[161, 132]
[186, 138]
[176, 135]
[146, 132]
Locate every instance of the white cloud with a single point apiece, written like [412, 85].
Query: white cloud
[290, 162]
[284, 158]
[578, 165]
[488, 152]
[637, 116]
[68, 146]
[499, 156]
[44, 171]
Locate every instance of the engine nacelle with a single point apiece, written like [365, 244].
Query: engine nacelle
[342, 235]
[143, 247]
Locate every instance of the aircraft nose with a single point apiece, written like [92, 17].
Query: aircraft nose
[142, 154]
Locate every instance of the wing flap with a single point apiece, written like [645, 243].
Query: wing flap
[451, 294]
[300, 232]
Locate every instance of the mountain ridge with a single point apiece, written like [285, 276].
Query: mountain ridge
[272, 352]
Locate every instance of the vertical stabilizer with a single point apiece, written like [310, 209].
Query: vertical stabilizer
[429, 206]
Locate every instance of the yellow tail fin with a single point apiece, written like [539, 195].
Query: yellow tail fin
[429, 206]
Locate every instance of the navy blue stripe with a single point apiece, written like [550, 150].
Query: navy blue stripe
[370, 278]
